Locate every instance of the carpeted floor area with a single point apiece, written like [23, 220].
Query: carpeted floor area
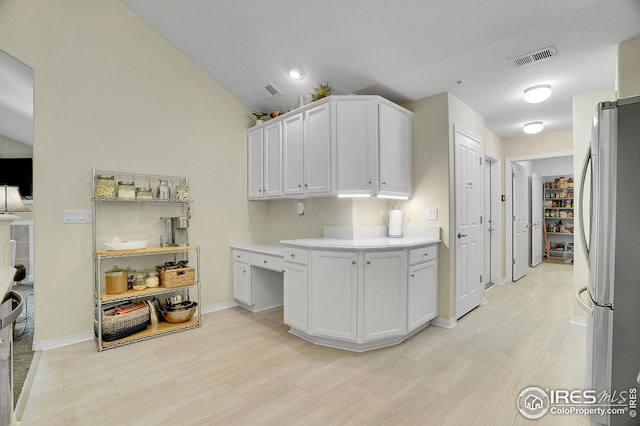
[23, 340]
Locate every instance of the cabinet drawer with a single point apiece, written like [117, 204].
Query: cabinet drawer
[296, 255]
[241, 256]
[265, 261]
[422, 254]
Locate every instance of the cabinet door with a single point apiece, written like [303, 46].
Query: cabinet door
[384, 297]
[241, 282]
[334, 297]
[255, 163]
[292, 140]
[422, 294]
[272, 160]
[394, 127]
[356, 144]
[295, 296]
[318, 150]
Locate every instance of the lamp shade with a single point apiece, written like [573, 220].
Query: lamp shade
[10, 200]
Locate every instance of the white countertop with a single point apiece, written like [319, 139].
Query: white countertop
[361, 243]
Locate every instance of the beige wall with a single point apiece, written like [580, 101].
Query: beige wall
[628, 75]
[542, 143]
[10, 148]
[110, 93]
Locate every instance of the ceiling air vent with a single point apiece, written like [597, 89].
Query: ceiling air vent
[534, 57]
[272, 90]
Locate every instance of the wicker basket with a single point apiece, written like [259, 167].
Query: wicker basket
[181, 277]
[116, 327]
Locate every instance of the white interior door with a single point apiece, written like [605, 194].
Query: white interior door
[536, 222]
[520, 222]
[468, 209]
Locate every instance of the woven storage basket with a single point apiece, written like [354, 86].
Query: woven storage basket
[180, 277]
[116, 327]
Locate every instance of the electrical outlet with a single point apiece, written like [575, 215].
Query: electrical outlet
[432, 214]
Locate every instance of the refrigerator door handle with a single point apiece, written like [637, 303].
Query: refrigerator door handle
[583, 305]
[600, 304]
[583, 235]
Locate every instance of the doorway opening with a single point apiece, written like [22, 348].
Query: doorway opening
[492, 220]
[545, 165]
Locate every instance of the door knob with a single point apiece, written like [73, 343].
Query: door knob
[460, 235]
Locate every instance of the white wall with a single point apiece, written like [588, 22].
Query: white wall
[559, 166]
[10, 148]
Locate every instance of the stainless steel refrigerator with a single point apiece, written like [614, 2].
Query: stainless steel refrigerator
[612, 241]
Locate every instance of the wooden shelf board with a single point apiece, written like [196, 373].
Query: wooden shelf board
[560, 233]
[133, 294]
[163, 328]
[147, 250]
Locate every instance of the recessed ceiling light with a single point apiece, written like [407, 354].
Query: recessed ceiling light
[295, 72]
[533, 127]
[537, 94]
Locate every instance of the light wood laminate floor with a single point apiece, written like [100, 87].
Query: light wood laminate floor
[242, 368]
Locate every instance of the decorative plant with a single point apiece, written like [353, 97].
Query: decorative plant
[321, 92]
[259, 115]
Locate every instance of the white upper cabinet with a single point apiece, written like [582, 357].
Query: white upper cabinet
[255, 153]
[356, 142]
[265, 161]
[340, 145]
[292, 149]
[394, 128]
[318, 151]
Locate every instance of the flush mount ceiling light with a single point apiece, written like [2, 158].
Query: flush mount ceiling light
[537, 94]
[533, 127]
[295, 72]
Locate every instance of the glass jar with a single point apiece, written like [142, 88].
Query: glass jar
[126, 190]
[105, 186]
[164, 191]
[145, 193]
[139, 281]
[182, 192]
[152, 279]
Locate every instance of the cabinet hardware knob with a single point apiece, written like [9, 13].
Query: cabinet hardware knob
[244, 271]
[299, 186]
[293, 255]
[368, 262]
[238, 256]
[384, 183]
[460, 235]
[306, 186]
[264, 261]
[426, 254]
[353, 262]
[412, 275]
[369, 182]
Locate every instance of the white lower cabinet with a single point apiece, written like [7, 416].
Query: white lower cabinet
[333, 298]
[295, 296]
[384, 295]
[422, 294]
[241, 282]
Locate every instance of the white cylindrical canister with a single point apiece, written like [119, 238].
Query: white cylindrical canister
[396, 220]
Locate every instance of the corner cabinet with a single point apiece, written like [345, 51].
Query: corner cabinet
[339, 145]
[124, 216]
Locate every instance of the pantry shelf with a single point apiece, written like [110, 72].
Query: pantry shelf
[558, 205]
[182, 262]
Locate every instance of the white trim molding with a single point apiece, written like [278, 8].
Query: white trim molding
[576, 320]
[445, 323]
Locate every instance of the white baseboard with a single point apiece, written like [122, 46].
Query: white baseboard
[578, 320]
[58, 342]
[219, 307]
[44, 345]
[439, 322]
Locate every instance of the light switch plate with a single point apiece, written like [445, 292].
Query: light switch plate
[432, 214]
[77, 216]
